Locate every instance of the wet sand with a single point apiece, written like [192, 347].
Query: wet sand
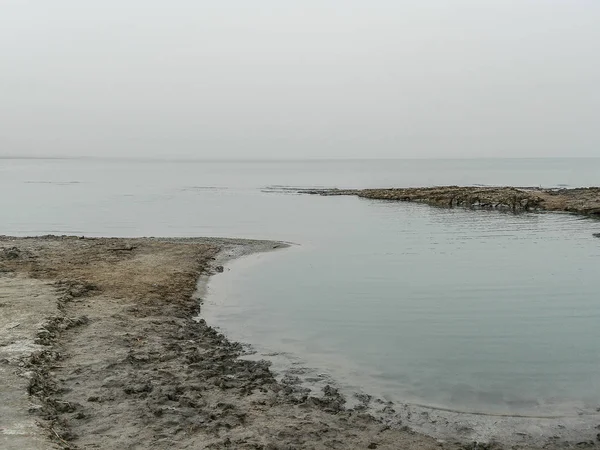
[99, 348]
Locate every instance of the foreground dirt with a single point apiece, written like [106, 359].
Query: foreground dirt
[585, 201]
[117, 360]
[24, 303]
[99, 346]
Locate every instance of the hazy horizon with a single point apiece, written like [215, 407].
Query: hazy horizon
[291, 159]
[302, 80]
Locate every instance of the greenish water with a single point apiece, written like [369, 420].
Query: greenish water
[472, 311]
[477, 311]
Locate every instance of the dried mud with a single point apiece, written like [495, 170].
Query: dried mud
[121, 363]
[117, 360]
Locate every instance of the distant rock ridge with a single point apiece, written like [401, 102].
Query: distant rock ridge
[585, 201]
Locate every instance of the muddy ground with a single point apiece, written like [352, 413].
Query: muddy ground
[99, 349]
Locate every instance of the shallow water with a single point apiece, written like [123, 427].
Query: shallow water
[477, 311]
[472, 311]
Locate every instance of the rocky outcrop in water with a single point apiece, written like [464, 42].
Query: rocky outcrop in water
[584, 201]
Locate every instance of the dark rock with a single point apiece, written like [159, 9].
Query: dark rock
[219, 269]
[11, 253]
[291, 380]
[126, 248]
[363, 398]
[580, 201]
[139, 389]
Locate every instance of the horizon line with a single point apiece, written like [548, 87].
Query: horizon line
[315, 159]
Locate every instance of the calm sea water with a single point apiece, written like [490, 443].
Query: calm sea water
[478, 311]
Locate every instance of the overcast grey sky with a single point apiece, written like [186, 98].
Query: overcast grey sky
[292, 79]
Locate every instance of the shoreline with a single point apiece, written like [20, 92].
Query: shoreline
[121, 362]
[112, 355]
[445, 424]
[581, 201]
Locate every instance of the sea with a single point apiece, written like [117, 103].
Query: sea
[476, 311]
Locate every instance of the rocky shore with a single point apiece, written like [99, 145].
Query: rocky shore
[100, 348]
[585, 201]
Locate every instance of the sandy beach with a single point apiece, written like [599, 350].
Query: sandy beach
[99, 348]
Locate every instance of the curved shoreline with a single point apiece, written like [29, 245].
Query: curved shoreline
[122, 361]
[445, 424]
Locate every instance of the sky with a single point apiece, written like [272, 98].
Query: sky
[300, 79]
